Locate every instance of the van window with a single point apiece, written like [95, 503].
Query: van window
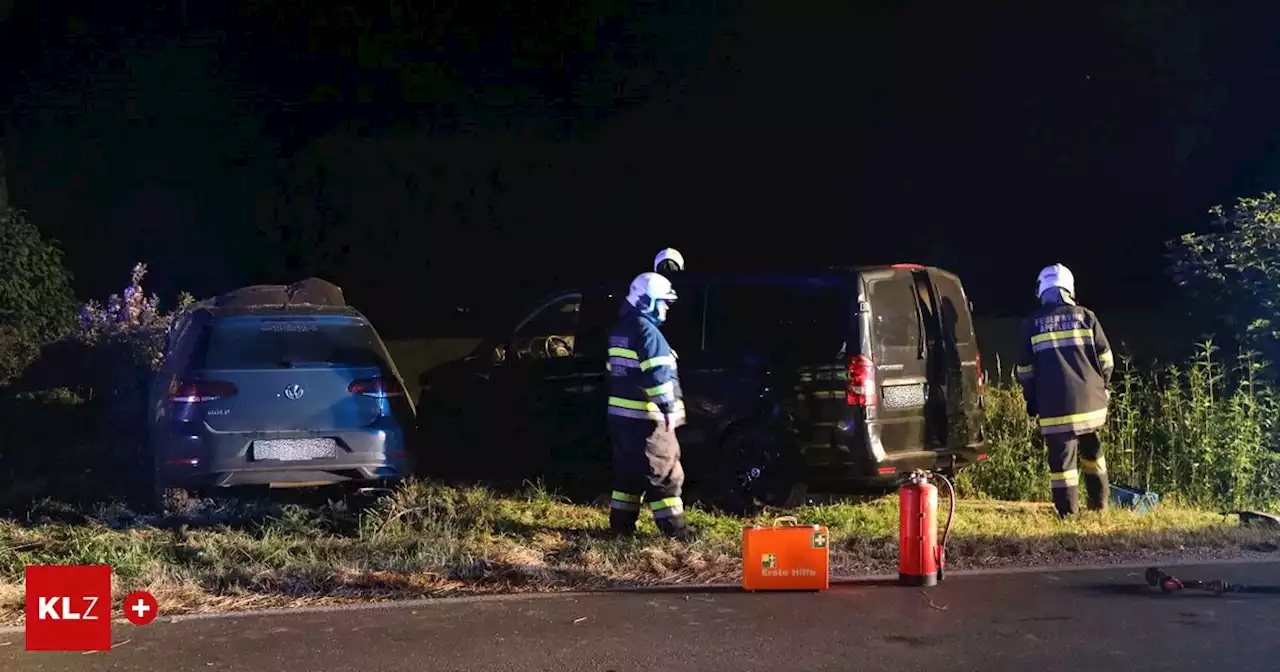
[895, 322]
[273, 342]
[953, 307]
[792, 320]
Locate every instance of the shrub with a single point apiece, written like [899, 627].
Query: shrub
[36, 303]
[131, 320]
[87, 396]
[1232, 273]
[127, 338]
[1200, 432]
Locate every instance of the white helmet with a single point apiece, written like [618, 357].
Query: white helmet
[1058, 276]
[671, 255]
[650, 288]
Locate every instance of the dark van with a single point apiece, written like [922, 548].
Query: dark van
[835, 382]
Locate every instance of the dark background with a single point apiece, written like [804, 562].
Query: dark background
[427, 156]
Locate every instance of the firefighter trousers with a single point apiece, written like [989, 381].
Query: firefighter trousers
[1064, 449]
[646, 469]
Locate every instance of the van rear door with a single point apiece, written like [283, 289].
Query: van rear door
[962, 362]
[899, 351]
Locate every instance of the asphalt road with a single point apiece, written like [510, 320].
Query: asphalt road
[1095, 620]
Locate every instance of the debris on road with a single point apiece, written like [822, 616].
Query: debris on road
[1248, 518]
[941, 607]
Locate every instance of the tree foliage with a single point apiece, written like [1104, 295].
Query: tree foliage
[36, 302]
[1233, 271]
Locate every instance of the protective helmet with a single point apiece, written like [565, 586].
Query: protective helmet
[648, 289]
[1058, 276]
[668, 260]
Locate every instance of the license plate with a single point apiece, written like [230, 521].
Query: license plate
[295, 449]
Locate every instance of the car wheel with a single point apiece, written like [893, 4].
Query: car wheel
[438, 453]
[755, 470]
[147, 495]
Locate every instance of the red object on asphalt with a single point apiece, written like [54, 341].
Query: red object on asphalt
[140, 607]
[919, 556]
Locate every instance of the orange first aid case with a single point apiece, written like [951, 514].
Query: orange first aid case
[785, 557]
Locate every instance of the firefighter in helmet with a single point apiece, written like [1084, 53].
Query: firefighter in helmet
[645, 408]
[668, 261]
[1064, 367]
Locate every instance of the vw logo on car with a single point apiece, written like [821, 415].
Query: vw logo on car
[294, 392]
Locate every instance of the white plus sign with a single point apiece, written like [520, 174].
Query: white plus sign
[141, 608]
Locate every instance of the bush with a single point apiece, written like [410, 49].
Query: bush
[86, 397]
[1232, 274]
[1200, 433]
[36, 303]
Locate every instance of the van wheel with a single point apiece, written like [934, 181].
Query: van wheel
[755, 471]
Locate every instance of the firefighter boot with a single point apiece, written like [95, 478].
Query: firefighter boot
[623, 522]
[1096, 489]
[1094, 465]
[675, 527]
[1066, 500]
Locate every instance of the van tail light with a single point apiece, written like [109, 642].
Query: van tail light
[378, 388]
[200, 391]
[860, 389]
[982, 374]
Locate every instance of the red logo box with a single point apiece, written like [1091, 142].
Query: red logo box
[68, 608]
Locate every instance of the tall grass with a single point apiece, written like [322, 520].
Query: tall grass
[1202, 433]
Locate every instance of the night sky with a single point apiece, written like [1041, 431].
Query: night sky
[431, 155]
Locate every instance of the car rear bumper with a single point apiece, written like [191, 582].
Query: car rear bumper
[853, 459]
[212, 459]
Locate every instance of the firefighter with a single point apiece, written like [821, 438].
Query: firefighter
[1064, 368]
[668, 261]
[645, 408]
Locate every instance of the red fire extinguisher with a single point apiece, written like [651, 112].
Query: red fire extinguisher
[920, 557]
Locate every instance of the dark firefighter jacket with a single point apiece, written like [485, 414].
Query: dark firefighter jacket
[1064, 367]
[643, 382]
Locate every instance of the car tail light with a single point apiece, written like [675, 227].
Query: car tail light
[200, 391]
[860, 390]
[378, 388]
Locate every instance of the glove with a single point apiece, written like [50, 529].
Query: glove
[668, 422]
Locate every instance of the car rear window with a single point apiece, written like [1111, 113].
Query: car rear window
[805, 321]
[274, 342]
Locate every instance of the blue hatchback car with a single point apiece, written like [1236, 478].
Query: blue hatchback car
[272, 387]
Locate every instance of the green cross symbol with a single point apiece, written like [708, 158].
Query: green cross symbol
[819, 540]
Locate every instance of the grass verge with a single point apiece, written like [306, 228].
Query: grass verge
[426, 540]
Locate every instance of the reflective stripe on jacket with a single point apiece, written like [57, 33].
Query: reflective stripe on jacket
[1064, 367]
[643, 381]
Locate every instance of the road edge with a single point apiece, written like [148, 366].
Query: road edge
[698, 587]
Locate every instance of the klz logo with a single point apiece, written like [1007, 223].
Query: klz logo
[49, 609]
[68, 608]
